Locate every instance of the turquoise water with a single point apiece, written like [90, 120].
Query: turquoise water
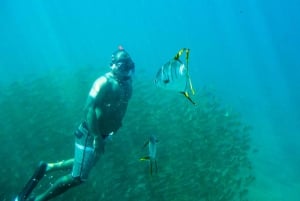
[243, 54]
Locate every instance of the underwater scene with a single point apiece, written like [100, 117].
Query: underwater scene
[213, 115]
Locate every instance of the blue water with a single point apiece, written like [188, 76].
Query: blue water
[247, 50]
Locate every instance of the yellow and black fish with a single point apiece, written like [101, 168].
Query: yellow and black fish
[151, 142]
[174, 76]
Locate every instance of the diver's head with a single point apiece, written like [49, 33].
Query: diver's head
[122, 65]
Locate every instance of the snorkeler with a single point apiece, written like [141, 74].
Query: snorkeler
[105, 108]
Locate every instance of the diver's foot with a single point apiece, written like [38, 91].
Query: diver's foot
[17, 199]
[32, 198]
[33, 181]
[20, 198]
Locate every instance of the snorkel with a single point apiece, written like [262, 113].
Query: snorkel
[122, 65]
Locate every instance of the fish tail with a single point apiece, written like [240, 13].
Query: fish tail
[186, 94]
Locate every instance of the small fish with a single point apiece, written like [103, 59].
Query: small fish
[151, 142]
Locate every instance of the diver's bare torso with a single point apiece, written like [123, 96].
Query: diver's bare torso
[110, 105]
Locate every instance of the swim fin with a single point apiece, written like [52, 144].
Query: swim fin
[33, 181]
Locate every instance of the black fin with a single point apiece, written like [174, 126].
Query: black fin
[33, 181]
[146, 143]
[151, 167]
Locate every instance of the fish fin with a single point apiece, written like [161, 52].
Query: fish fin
[151, 168]
[186, 94]
[191, 86]
[146, 143]
[145, 158]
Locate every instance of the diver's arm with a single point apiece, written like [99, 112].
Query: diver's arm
[90, 101]
[91, 120]
[92, 123]
[91, 111]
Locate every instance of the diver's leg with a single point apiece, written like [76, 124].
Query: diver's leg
[84, 159]
[59, 187]
[155, 166]
[62, 165]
